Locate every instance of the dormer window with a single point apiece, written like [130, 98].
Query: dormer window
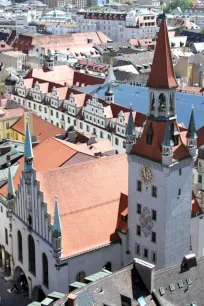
[152, 98]
[149, 135]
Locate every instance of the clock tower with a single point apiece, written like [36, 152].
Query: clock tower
[160, 171]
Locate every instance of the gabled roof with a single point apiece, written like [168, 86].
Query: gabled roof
[41, 128]
[162, 74]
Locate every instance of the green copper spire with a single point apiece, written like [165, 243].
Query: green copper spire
[167, 141]
[11, 191]
[28, 151]
[57, 232]
[191, 134]
[130, 129]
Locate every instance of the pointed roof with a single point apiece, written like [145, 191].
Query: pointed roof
[11, 191]
[57, 223]
[28, 152]
[130, 129]
[162, 74]
[191, 134]
[167, 136]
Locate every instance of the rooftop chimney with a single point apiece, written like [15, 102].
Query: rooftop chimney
[71, 299]
[146, 272]
[189, 261]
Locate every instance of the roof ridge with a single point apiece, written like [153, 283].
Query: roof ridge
[115, 156]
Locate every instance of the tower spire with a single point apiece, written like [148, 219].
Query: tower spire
[192, 136]
[28, 151]
[130, 132]
[57, 233]
[11, 191]
[162, 74]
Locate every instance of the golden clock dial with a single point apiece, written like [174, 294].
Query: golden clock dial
[146, 175]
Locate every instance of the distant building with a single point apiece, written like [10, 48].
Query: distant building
[119, 26]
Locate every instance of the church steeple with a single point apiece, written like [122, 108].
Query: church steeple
[109, 95]
[28, 151]
[162, 82]
[130, 132]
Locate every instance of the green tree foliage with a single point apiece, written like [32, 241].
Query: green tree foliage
[178, 3]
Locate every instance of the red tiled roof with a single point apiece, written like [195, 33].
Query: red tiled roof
[41, 128]
[88, 219]
[200, 134]
[162, 73]
[122, 224]
[154, 151]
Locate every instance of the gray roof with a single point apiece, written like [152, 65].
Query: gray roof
[188, 294]
[142, 58]
[111, 289]
[14, 149]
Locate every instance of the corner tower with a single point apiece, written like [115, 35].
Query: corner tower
[160, 172]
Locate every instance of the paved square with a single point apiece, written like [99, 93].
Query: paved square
[9, 298]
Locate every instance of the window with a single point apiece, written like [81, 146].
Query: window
[139, 186]
[81, 125]
[80, 277]
[179, 192]
[137, 248]
[124, 144]
[45, 110]
[29, 104]
[31, 254]
[180, 171]
[154, 237]
[51, 112]
[6, 235]
[116, 141]
[57, 115]
[40, 108]
[2, 209]
[7, 125]
[154, 257]
[200, 179]
[34, 106]
[74, 122]
[20, 247]
[45, 270]
[138, 230]
[145, 253]
[154, 191]
[57, 124]
[154, 215]
[108, 266]
[68, 119]
[139, 208]
[101, 134]
[87, 128]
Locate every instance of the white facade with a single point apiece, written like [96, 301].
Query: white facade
[95, 116]
[119, 26]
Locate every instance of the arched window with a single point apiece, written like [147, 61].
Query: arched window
[45, 270]
[171, 102]
[162, 102]
[20, 247]
[108, 266]
[80, 277]
[31, 254]
[152, 101]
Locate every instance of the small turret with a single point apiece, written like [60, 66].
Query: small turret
[130, 133]
[57, 232]
[192, 136]
[11, 191]
[28, 151]
[167, 144]
[109, 95]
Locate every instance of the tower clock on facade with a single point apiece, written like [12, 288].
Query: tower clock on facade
[146, 174]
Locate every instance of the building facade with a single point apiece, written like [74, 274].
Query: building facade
[119, 26]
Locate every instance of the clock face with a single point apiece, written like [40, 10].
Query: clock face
[146, 175]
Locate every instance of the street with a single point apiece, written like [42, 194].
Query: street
[10, 298]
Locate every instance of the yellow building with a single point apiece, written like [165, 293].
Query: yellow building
[8, 116]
